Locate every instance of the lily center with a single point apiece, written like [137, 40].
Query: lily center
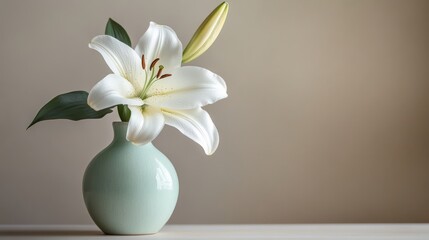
[153, 74]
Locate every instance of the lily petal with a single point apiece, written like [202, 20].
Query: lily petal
[160, 41]
[195, 124]
[145, 124]
[111, 91]
[121, 59]
[188, 87]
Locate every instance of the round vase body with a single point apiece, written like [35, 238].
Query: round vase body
[130, 189]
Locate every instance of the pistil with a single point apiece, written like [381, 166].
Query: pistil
[159, 71]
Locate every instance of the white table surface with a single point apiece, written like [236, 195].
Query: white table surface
[281, 231]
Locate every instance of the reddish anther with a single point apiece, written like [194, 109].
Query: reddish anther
[143, 62]
[153, 64]
[164, 76]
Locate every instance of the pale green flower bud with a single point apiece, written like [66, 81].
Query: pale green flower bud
[206, 33]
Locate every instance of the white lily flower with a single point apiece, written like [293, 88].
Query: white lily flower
[160, 92]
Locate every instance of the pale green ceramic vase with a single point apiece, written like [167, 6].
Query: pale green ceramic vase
[130, 189]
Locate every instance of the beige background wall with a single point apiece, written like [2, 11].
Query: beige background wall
[327, 119]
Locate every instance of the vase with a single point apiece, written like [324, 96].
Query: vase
[130, 189]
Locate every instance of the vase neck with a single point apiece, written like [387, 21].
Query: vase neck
[120, 133]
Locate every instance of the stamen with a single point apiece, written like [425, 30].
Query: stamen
[153, 64]
[159, 71]
[164, 76]
[143, 63]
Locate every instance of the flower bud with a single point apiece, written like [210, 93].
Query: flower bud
[206, 33]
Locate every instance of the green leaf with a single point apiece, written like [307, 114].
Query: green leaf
[124, 113]
[115, 30]
[72, 106]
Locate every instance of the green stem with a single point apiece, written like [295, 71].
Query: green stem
[124, 113]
